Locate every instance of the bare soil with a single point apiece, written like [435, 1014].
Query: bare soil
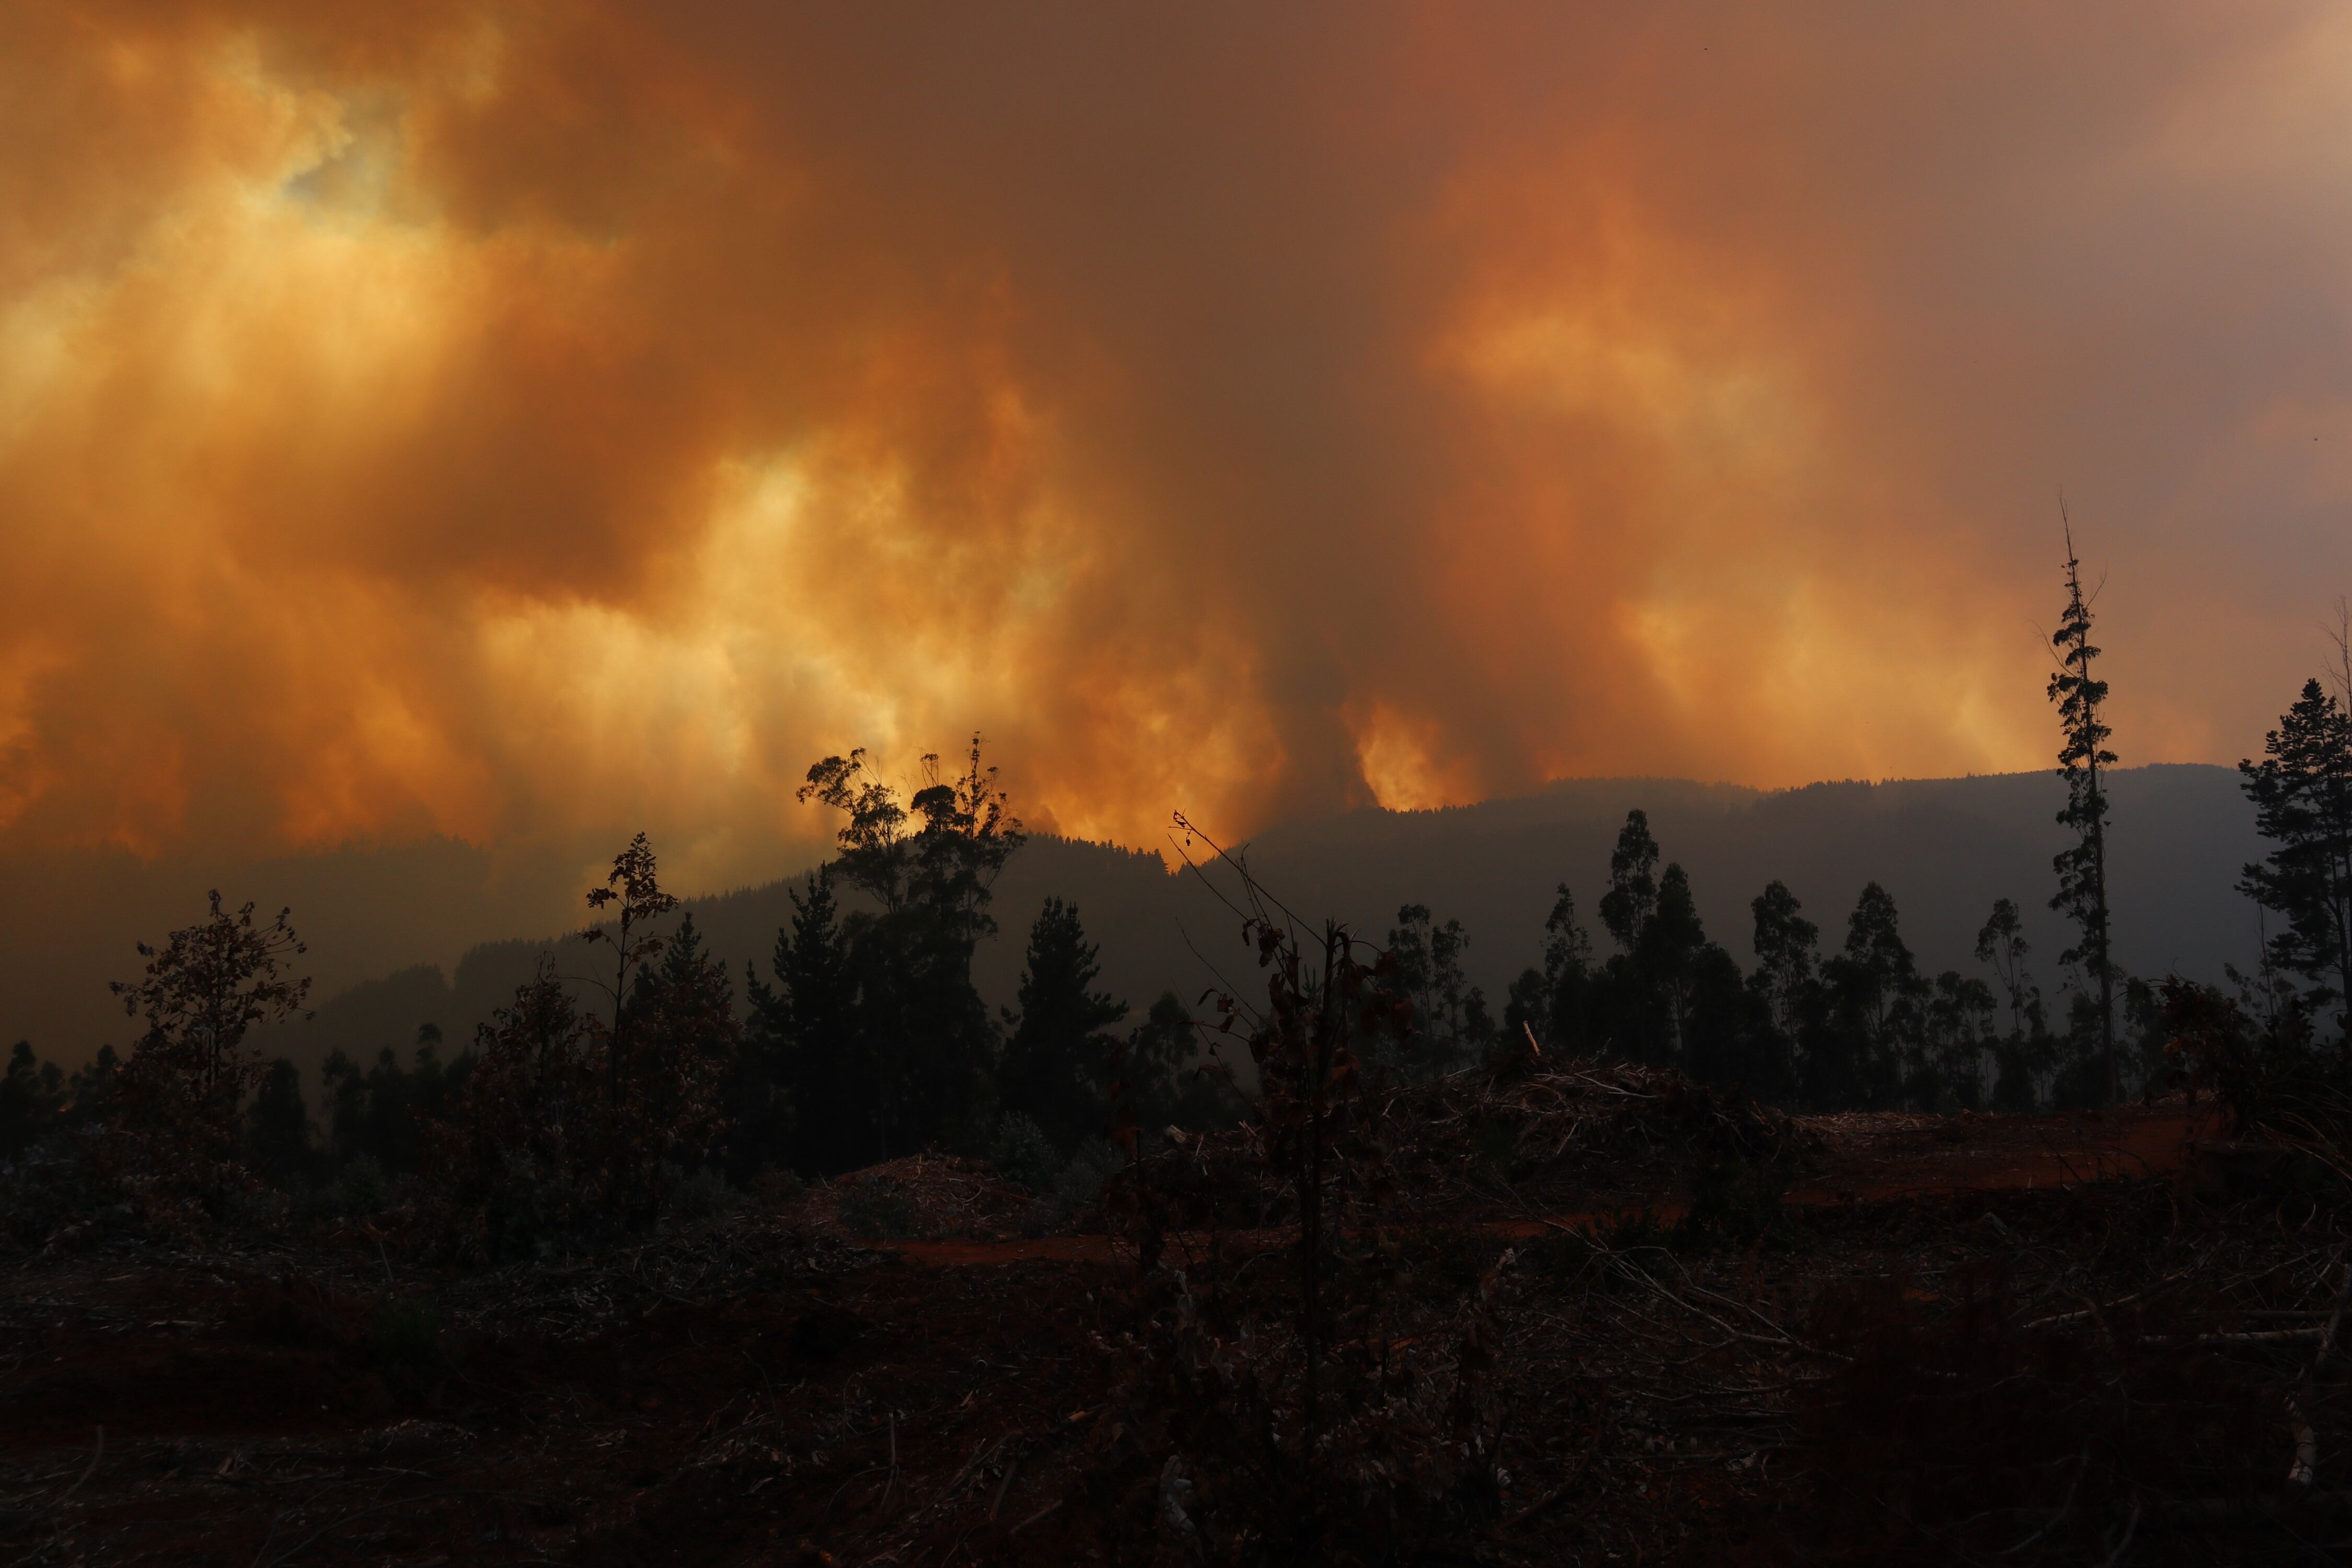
[764, 1388]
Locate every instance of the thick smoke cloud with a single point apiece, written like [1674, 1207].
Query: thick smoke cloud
[507, 421]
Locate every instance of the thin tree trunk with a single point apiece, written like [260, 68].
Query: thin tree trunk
[2099, 903]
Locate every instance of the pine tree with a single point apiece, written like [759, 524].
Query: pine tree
[683, 1039]
[2302, 794]
[805, 1029]
[385, 1113]
[2082, 867]
[1056, 1061]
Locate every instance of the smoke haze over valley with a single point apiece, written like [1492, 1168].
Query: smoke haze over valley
[443, 935]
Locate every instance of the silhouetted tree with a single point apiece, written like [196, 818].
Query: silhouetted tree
[681, 1044]
[1875, 995]
[2024, 1054]
[2213, 1046]
[204, 992]
[1786, 946]
[201, 995]
[920, 1022]
[1959, 1033]
[634, 886]
[2302, 794]
[1667, 957]
[1450, 1021]
[2082, 867]
[807, 1028]
[513, 1161]
[1708, 1022]
[1554, 1002]
[32, 1100]
[946, 867]
[873, 855]
[1163, 1078]
[1633, 895]
[1670, 996]
[1784, 997]
[382, 1113]
[1059, 1055]
[2001, 945]
[278, 1126]
[92, 1090]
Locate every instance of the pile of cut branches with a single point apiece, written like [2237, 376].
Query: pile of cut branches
[1498, 1141]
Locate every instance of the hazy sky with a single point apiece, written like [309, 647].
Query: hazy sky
[516, 420]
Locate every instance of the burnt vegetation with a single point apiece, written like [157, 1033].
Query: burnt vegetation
[818, 1259]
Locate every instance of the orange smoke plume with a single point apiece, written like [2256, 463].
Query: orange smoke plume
[503, 420]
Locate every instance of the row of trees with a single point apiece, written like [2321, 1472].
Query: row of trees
[1859, 1026]
[2302, 795]
[595, 1095]
[1862, 1025]
[589, 1099]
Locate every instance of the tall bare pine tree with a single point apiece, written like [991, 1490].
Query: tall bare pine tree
[2082, 867]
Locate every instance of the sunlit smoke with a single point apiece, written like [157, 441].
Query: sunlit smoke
[503, 421]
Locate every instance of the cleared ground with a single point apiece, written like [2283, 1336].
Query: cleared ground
[762, 1389]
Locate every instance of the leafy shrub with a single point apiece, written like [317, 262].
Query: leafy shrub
[1022, 1152]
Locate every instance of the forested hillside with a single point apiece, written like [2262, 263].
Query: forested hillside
[1945, 849]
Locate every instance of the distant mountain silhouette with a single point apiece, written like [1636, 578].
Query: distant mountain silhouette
[1946, 848]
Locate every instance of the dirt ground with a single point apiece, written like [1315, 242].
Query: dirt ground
[761, 1389]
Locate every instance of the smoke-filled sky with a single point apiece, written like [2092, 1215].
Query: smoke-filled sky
[510, 421]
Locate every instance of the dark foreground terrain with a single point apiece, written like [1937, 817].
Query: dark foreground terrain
[1967, 1340]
